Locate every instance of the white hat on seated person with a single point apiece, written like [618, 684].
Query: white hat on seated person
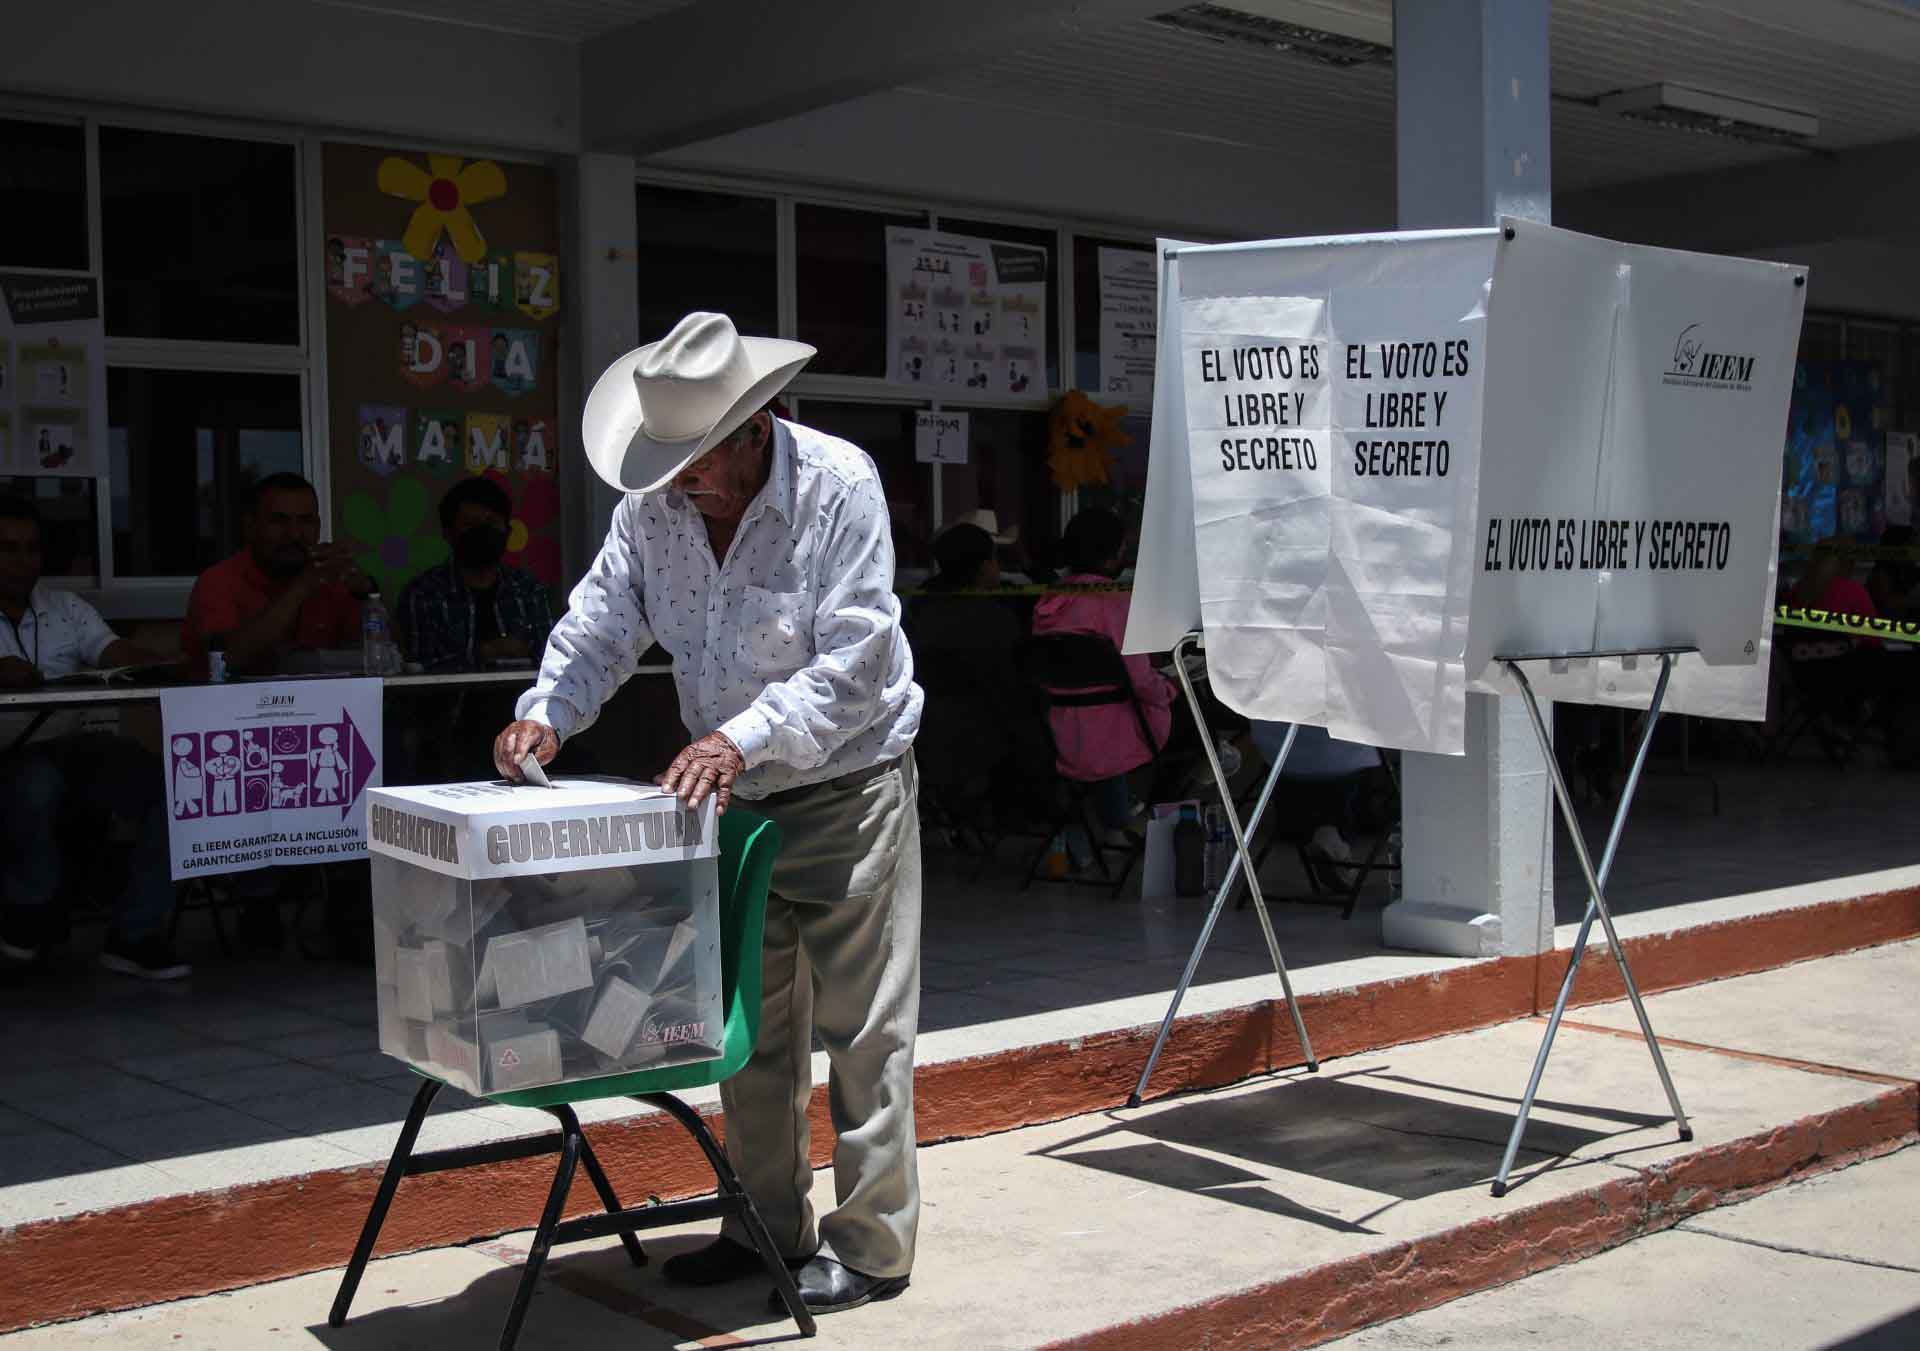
[660, 407]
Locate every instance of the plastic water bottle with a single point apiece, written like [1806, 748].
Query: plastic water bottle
[216, 661]
[1219, 850]
[378, 654]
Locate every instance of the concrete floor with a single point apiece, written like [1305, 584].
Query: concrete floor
[1830, 1263]
[1283, 1185]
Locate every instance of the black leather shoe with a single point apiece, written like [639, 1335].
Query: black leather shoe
[827, 1286]
[720, 1261]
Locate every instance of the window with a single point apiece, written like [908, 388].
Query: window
[199, 237]
[1006, 470]
[43, 181]
[183, 448]
[840, 264]
[885, 432]
[707, 251]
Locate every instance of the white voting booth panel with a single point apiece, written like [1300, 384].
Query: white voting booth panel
[1403, 456]
[1319, 403]
[526, 936]
[1387, 469]
[1634, 415]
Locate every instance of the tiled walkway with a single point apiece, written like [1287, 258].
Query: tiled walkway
[113, 1092]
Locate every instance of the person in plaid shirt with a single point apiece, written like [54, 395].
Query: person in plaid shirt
[474, 609]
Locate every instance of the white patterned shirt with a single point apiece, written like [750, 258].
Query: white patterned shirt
[791, 645]
[58, 633]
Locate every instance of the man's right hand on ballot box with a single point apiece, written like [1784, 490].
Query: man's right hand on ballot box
[517, 740]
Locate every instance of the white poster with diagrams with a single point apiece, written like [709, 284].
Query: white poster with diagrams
[53, 393]
[966, 315]
[267, 773]
[1129, 305]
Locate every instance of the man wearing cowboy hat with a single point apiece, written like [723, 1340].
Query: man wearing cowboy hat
[759, 554]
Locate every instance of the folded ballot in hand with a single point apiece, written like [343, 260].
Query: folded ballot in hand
[526, 936]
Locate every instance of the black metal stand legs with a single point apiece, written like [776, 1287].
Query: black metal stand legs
[574, 1151]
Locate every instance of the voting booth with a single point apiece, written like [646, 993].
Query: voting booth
[528, 935]
[1389, 470]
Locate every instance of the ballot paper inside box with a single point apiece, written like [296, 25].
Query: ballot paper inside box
[528, 936]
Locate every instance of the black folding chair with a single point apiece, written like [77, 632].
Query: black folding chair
[1083, 670]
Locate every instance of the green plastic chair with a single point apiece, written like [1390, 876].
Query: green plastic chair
[748, 846]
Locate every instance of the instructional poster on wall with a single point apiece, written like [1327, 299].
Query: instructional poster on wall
[53, 398]
[966, 315]
[260, 774]
[443, 301]
[1129, 300]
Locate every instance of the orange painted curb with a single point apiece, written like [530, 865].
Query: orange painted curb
[1318, 1305]
[1736, 947]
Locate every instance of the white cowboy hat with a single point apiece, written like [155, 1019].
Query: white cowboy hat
[660, 407]
[983, 518]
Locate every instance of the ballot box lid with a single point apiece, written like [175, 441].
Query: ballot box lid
[499, 829]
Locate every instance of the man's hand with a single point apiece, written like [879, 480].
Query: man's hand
[16, 674]
[329, 563]
[516, 740]
[709, 765]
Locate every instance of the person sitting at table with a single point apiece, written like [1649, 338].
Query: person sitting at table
[1101, 745]
[474, 608]
[55, 779]
[282, 591]
[978, 720]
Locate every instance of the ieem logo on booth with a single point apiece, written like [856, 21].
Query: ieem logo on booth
[1695, 367]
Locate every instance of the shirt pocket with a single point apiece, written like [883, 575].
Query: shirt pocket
[776, 632]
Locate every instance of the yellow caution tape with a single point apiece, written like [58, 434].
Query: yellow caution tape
[1854, 626]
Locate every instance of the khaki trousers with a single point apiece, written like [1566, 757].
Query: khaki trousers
[842, 957]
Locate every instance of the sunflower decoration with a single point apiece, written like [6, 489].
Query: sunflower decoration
[1082, 436]
[445, 190]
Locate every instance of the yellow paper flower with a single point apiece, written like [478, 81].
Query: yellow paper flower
[1082, 438]
[444, 190]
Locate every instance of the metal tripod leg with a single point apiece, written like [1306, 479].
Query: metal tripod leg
[1596, 905]
[1241, 858]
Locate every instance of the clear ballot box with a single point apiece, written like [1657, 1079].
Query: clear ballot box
[526, 936]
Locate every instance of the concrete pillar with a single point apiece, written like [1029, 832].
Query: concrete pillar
[1472, 89]
[607, 318]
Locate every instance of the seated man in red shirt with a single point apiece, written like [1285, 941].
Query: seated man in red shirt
[284, 589]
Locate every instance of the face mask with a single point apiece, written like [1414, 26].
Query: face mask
[479, 546]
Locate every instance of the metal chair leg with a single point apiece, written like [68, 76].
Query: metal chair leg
[382, 1199]
[730, 1188]
[570, 1142]
[598, 1176]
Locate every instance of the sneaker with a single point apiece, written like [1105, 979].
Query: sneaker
[148, 958]
[21, 938]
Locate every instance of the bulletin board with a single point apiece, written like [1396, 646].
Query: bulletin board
[443, 329]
